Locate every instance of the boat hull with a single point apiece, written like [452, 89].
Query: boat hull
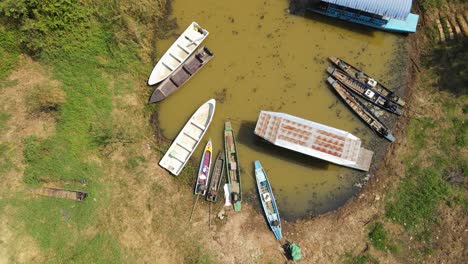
[361, 110]
[366, 79]
[201, 185]
[216, 178]
[188, 138]
[182, 75]
[364, 91]
[232, 167]
[268, 200]
[178, 53]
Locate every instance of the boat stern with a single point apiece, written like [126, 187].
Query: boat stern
[237, 206]
[390, 137]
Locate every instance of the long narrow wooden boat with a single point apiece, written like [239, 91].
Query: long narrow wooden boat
[216, 178]
[361, 76]
[268, 200]
[203, 178]
[62, 193]
[232, 166]
[361, 110]
[182, 74]
[364, 91]
[182, 48]
[187, 140]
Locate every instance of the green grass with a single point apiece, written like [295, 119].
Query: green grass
[379, 238]
[4, 118]
[6, 163]
[359, 259]
[8, 52]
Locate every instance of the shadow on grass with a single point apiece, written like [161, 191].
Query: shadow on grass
[450, 61]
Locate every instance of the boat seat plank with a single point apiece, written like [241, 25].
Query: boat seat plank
[188, 142]
[180, 77]
[168, 66]
[193, 65]
[185, 49]
[192, 136]
[177, 58]
[168, 88]
[198, 125]
[184, 147]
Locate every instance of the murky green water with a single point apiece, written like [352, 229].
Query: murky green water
[267, 59]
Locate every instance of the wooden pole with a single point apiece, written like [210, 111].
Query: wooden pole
[209, 217]
[193, 208]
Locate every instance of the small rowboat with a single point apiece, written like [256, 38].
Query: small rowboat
[232, 166]
[364, 91]
[204, 172]
[216, 178]
[187, 140]
[268, 200]
[62, 193]
[361, 110]
[182, 74]
[176, 55]
[362, 77]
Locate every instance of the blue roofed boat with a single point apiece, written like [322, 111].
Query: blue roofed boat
[268, 200]
[390, 15]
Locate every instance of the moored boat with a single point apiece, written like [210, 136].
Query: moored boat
[361, 110]
[232, 166]
[182, 74]
[364, 78]
[182, 48]
[364, 91]
[268, 200]
[188, 138]
[313, 139]
[203, 178]
[216, 178]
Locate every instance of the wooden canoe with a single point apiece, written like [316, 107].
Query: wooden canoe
[188, 139]
[362, 77]
[232, 166]
[216, 178]
[182, 74]
[178, 53]
[268, 200]
[62, 193]
[364, 91]
[203, 178]
[361, 110]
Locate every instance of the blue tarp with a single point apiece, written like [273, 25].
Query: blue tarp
[398, 9]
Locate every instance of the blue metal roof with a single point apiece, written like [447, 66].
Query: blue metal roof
[398, 9]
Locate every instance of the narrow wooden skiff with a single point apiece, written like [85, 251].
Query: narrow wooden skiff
[62, 193]
[203, 178]
[232, 166]
[361, 110]
[182, 74]
[268, 200]
[216, 178]
[187, 140]
[182, 48]
[361, 76]
[364, 91]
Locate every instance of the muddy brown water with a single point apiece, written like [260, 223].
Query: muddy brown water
[268, 59]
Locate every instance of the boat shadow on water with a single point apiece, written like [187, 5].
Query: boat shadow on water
[246, 137]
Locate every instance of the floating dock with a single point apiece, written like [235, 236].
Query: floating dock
[393, 15]
[313, 139]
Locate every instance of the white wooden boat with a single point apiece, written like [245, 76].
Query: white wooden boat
[187, 141]
[176, 55]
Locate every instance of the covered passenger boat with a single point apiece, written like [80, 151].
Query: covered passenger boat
[313, 139]
[393, 15]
